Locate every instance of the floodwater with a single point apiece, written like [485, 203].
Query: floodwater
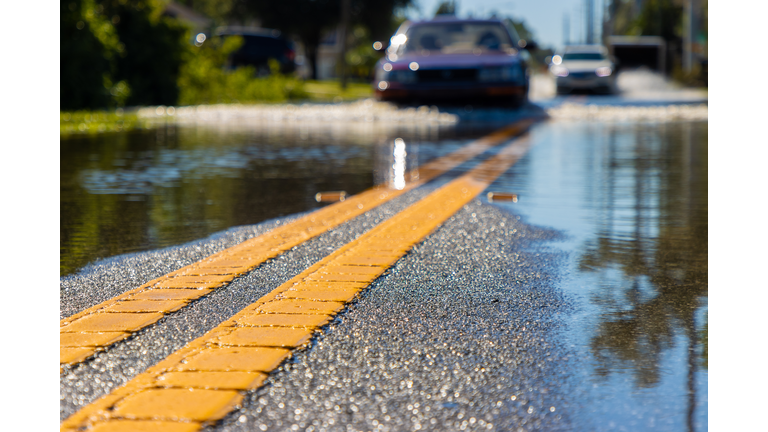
[630, 198]
[147, 189]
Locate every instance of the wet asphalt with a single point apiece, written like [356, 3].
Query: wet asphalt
[460, 334]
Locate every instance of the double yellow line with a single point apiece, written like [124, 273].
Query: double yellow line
[206, 379]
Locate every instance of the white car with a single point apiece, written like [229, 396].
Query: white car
[584, 67]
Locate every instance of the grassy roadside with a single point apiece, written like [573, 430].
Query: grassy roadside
[330, 91]
[93, 122]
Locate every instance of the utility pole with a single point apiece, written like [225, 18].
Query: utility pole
[607, 21]
[579, 38]
[343, 36]
[566, 29]
[688, 37]
[590, 21]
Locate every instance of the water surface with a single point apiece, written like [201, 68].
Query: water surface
[632, 199]
[142, 190]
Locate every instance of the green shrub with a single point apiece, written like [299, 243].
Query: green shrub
[118, 52]
[89, 47]
[154, 47]
[203, 78]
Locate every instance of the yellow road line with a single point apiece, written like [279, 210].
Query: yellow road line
[97, 327]
[206, 379]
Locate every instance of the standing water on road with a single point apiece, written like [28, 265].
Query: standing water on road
[129, 192]
[632, 199]
[143, 190]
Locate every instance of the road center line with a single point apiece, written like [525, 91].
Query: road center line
[202, 382]
[113, 320]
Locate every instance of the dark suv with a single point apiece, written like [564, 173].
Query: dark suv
[260, 45]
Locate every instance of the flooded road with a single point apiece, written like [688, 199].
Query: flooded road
[138, 191]
[581, 306]
[632, 201]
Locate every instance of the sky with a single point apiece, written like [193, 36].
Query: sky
[543, 17]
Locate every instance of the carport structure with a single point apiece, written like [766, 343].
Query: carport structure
[636, 51]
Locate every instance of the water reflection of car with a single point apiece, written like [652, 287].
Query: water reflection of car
[259, 46]
[584, 67]
[453, 59]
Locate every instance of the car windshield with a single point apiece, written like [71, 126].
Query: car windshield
[583, 56]
[449, 38]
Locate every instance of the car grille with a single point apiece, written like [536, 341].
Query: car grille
[447, 75]
[582, 75]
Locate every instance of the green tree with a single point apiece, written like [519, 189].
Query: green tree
[381, 19]
[218, 10]
[305, 19]
[154, 48]
[522, 30]
[660, 18]
[117, 52]
[310, 20]
[447, 7]
[89, 50]
[654, 18]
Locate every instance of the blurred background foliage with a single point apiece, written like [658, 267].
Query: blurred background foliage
[90, 122]
[204, 80]
[121, 53]
[665, 18]
[310, 20]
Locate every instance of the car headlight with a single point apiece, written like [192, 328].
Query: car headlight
[559, 71]
[403, 76]
[496, 74]
[603, 71]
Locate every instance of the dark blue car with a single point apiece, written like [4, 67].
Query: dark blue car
[454, 59]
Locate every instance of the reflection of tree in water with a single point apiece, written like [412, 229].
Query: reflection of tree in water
[219, 179]
[653, 230]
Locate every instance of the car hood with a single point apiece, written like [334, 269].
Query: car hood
[437, 61]
[585, 65]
